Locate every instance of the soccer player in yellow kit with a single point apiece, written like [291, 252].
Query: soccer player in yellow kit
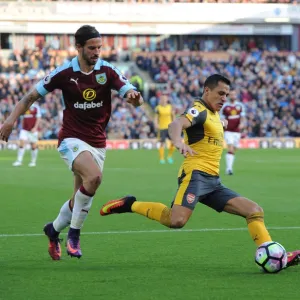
[198, 176]
[164, 115]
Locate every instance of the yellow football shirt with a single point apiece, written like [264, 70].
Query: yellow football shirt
[205, 136]
[164, 116]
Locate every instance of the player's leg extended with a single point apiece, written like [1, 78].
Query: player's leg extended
[34, 153]
[254, 216]
[20, 155]
[175, 217]
[85, 166]
[255, 219]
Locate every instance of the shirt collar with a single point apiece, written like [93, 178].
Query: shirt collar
[76, 67]
[204, 103]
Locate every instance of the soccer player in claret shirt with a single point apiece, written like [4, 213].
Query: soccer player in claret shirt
[234, 112]
[198, 177]
[164, 115]
[29, 134]
[86, 83]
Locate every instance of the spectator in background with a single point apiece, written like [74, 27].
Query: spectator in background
[268, 85]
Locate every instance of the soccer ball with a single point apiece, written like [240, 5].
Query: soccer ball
[271, 257]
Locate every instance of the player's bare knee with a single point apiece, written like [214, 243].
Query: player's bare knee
[93, 182]
[255, 209]
[178, 223]
[258, 209]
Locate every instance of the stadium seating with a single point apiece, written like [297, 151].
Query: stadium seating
[268, 82]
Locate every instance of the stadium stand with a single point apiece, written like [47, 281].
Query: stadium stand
[265, 76]
[268, 83]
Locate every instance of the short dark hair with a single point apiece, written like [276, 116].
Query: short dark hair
[85, 33]
[212, 81]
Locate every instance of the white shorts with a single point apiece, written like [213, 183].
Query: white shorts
[232, 138]
[28, 136]
[70, 148]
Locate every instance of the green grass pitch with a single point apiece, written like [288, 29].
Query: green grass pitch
[132, 258]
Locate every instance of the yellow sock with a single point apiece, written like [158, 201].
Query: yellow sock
[154, 211]
[171, 150]
[161, 153]
[257, 229]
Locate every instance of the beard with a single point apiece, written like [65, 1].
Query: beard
[88, 60]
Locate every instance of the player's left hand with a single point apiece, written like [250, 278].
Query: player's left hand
[6, 130]
[135, 98]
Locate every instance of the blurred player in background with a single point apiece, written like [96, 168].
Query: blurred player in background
[29, 134]
[234, 112]
[86, 83]
[198, 177]
[164, 115]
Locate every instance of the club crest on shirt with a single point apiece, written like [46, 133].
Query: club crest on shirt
[101, 78]
[75, 148]
[190, 198]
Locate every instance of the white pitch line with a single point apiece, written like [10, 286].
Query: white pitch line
[152, 231]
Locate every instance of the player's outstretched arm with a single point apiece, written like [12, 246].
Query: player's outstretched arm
[22, 106]
[175, 129]
[134, 97]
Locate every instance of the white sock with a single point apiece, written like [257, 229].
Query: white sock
[34, 154]
[63, 219]
[229, 161]
[82, 205]
[21, 152]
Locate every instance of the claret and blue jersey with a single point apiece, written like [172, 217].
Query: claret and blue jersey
[87, 98]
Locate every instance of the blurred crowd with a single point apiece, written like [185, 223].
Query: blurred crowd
[268, 83]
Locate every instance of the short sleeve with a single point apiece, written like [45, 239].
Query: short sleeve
[119, 82]
[51, 82]
[196, 114]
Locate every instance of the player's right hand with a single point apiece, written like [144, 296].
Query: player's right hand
[6, 130]
[184, 149]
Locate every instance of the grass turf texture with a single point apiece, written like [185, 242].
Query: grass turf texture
[157, 263]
